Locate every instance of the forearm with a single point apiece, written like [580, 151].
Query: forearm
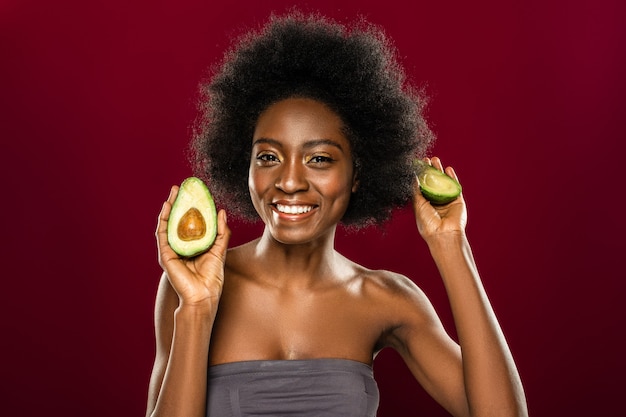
[492, 383]
[183, 390]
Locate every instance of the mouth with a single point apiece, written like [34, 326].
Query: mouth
[293, 208]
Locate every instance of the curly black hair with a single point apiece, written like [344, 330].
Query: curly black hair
[353, 69]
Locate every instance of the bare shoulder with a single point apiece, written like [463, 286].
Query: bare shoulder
[238, 257]
[400, 302]
[391, 287]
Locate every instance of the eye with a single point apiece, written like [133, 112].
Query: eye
[320, 159]
[266, 158]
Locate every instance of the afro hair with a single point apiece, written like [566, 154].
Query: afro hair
[352, 69]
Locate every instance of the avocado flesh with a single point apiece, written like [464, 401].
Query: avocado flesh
[192, 225]
[436, 186]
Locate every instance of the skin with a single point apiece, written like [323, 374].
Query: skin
[290, 295]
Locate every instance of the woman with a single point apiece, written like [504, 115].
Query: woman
[308, 124]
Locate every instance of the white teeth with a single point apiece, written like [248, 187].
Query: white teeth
[293, 209]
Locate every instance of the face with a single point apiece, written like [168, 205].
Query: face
[301, 171]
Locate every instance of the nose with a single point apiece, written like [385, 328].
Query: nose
[292, 177]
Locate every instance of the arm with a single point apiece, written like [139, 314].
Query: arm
[185, 310]
[492, 383]
[479, 378]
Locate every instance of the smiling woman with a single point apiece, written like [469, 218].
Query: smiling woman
[301, 172]
[285, 324]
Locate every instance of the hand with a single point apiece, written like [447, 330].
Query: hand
[436, 220]
[198, 281]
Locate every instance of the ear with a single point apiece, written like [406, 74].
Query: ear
[355, 182]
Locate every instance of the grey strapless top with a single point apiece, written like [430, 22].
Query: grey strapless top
[304, 388]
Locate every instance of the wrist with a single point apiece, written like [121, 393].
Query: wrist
[453, 256]
[196, 312]
[446, 241]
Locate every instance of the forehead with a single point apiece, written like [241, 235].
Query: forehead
[299, 119]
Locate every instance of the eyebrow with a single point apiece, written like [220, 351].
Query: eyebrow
[307, 145]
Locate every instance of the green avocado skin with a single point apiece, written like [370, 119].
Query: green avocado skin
[436, 197]
[193, 192]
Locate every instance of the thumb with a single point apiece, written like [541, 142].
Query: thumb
[220, 246]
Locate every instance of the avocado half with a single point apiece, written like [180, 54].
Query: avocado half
[192, 225]
[436, 186]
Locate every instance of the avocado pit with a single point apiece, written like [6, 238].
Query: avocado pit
[191, 226]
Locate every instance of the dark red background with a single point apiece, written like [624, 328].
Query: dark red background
[96, 101]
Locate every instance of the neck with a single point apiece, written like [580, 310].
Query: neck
[297, 264]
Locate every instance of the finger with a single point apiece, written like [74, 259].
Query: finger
[173, 194]
[418, 199]
[161, 233]
[416, 187]
[220, 246]
[164, 215]
[451, 172]
[436, 162]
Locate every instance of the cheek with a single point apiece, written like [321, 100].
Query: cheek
[258, 186]
[255, 180]
[253, 189]
[339, 189]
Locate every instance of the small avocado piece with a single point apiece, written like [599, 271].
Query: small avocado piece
[192, 225]
[436, 186]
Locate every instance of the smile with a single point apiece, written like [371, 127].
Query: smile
[288, 209]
